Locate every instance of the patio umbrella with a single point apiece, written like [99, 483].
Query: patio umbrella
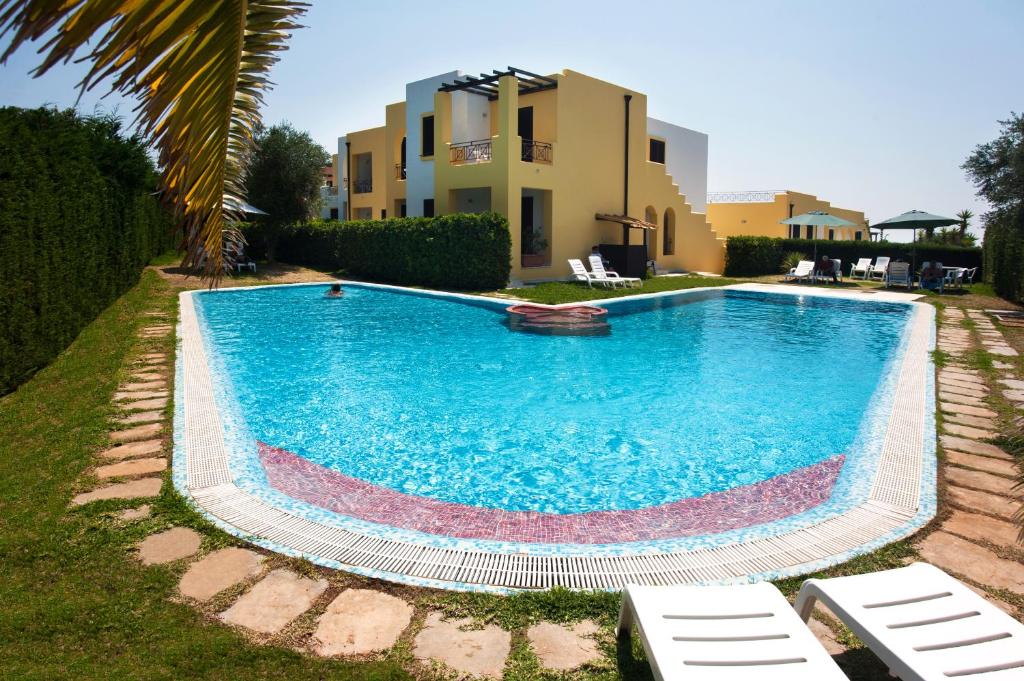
[915, 220]
[817, 218]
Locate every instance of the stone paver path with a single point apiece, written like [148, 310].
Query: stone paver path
[564, 648]
[361, 621]
[170, 545]
[220, 570]
[480, 652]
[131, 449]
[144, 432]
[131, 514]
[275, 601]
[131, 468]
[136, 489]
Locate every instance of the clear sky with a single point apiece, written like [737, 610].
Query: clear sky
[872, 105]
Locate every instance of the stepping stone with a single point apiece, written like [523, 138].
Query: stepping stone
[220, 570]
[960, 389]
[154, 355]
[140, 387]
[973, 421]
[170, 545]
[564, 648]
[1014, 395]
[1001, 365]
[972, 447]
[968, 431]
[983, 501]
[983, 528]
[131, 468]
[960, 399]
[140, 417]
[972, 561]
[126, 451]
[275, 601]
[360, 622]
[983, 463]
[985, 482]
[137, 433]
[954, 369]
[1012, 383]
[480, 652]
[946, 382]
[130, 514]
[147, 376]
[1002, 351]
[143, 395]
[967, 409]
[135, 489]
[154, 403]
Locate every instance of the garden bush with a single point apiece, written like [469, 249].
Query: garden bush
[78, 223]
[461, 251]
[753, 256]
[1004, 253]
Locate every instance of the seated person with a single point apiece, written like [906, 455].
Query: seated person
[827, 268]
[932, 276]
[334, 292]
[596, 250]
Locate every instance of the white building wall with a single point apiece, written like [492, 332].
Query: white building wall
[342, 179]
[470, 121]
[419, 177]
[686, 160]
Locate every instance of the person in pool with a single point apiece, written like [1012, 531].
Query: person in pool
[334, 292]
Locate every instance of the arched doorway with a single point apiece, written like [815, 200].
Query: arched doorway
[668, 233]
[651, 216]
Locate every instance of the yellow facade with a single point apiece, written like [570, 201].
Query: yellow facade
[579, 175]
[763, 217]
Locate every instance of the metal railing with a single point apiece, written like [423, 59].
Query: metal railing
[478, 151]
[399, 171]
[362, 187]
[756, 196]
[536, 152]
[328, 191]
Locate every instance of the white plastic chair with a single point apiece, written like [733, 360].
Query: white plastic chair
[863, 268]
[727, 633]
[597, 265]
[880, 267]
[969, 275]
[803, 270]
[923, 623]
[580, 273]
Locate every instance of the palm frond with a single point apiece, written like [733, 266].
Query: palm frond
[199, 70]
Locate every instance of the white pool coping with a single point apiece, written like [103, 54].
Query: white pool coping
[901, 500]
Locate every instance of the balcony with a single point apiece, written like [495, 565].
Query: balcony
[399, 171]
[536, 152]
[327, 191]
[470, 152]
[362, 186]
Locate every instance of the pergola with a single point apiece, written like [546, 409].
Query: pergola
[486, 85]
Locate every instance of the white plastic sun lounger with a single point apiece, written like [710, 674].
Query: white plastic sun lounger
[580, 273]
[861, 269]
[923, 623]
[880, 267]
[899, 274]
[726, 633]
[803, 270]
[597, 265]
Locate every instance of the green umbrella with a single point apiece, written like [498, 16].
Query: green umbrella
[915, 220]
[817, 218]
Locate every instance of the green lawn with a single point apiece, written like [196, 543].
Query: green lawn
[555, 292]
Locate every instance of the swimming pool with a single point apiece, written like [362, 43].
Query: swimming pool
[704, 419]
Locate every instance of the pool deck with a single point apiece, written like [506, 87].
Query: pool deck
[901, 499]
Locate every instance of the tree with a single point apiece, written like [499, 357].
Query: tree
[199, 70]
[965, 218]
[284, 178]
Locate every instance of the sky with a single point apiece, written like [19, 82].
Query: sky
[872, 105]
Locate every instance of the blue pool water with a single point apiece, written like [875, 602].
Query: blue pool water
[434, 397]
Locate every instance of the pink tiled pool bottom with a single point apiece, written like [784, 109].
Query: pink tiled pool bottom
[774, 499]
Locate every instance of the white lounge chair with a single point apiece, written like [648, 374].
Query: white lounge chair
[862, 268]
[580, 273]
[726, 633]
[879, 269]
[899, 274]
[803, 270]
[597, 265]
[837, 269]
[923, 623]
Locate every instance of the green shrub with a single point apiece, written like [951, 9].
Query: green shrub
[78, 223]
[1004, 253]
[753, 256]
[791, 260]
[461, 251]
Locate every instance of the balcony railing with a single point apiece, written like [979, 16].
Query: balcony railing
[399, 171]
[536, 152]
[757, 196]
[478, 151]
[328, 191]
[362, 186]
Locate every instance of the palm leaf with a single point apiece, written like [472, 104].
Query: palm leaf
[199, 70]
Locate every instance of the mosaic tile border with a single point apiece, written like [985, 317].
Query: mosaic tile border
[901, 500]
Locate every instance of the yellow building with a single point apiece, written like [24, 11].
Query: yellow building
[759, 213]
[552, 154]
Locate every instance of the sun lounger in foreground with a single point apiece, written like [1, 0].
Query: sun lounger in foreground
[580, 273]
[597, 265]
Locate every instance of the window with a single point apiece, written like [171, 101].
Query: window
[809, 231]
[334, 213]
[383, 213]
[831, 235]
[794, 231]
[427, 143]
[858, 236]
[428, 208]
[657, 154]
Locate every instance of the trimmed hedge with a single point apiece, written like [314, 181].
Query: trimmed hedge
[78, 223]
[462, 251]
[754, 256]
[1004, 252]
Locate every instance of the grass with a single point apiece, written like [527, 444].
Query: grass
[556, 292]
